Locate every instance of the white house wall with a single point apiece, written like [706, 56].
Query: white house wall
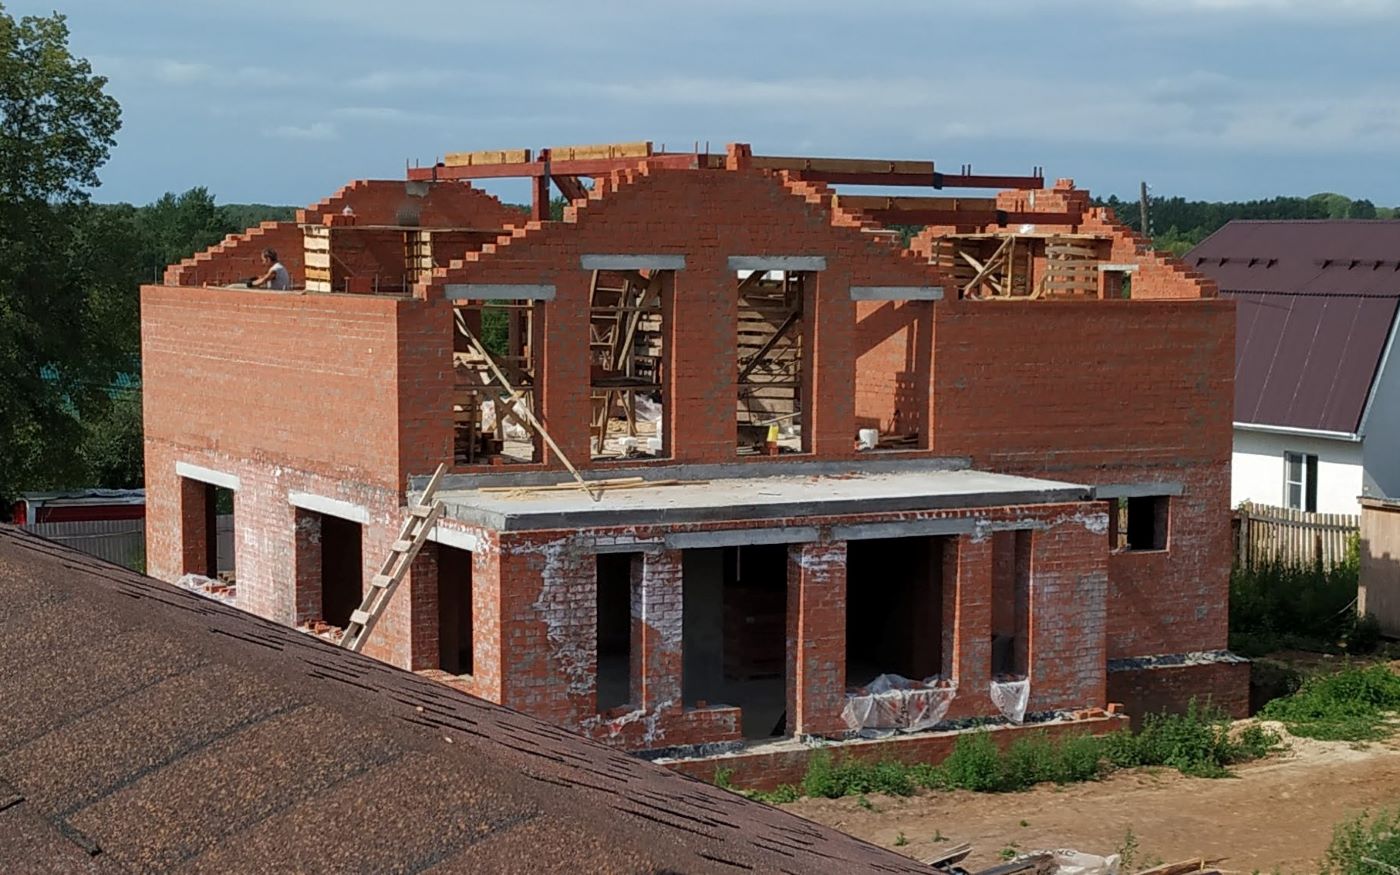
[1382, 438]
[1257, 470]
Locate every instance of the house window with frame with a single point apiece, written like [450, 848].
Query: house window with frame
[1300, 481]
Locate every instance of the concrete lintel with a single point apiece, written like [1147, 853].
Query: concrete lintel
[742, 537]
[345, 510]
[1119, 268]
[632, 262]
[207, 475]
[777, 262]
[1137, 490]
[462, 540]
[896, 293]
[903, 529]
[499, 292]
[641, 545]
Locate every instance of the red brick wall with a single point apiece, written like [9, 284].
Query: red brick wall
[706, 217]
[1154, 690]
[544, 596]
[375, 202]
[1104, 392]
[239, 257]
[894, 351]
[341, 396]
[430, 205]
[317, 382]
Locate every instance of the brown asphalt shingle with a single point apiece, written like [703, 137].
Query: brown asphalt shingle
[144, 729]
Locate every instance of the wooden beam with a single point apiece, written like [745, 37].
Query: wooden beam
[570, 187]
[641, 149]
[767, 347]
[491, 156]
[524, 409]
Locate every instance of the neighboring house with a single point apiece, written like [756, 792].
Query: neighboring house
[81, 505]
[1317, 394]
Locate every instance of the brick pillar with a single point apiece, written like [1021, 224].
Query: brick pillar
[194, 518]
[816, 633]
[656, 630]
[967, 623]
[424, 619]
[306, 562]
[829, 413]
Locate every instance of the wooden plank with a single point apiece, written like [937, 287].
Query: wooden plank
[1178, 868]
[487, 156]
[640, 149]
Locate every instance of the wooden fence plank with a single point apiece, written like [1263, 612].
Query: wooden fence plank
[1265, 533]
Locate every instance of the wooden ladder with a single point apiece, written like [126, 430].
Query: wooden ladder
[421, 517]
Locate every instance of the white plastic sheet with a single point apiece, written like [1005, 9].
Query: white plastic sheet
[1069, 862]
[1011, 698]
[895, 703]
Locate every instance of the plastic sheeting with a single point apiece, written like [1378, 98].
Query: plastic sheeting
[513, 430]
[1011, 698]
[893, 703]
[1077, 863]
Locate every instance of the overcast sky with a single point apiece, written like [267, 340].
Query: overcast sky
[284, 101]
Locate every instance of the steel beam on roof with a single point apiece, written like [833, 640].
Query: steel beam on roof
[1000, 218]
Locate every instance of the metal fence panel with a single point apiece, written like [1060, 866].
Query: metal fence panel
[119, 541]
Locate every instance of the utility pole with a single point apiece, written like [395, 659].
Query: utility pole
[1144, 226]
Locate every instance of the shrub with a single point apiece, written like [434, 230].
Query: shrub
[1273, 606]
[974, 764]
[1349, 705]
[1365, 845]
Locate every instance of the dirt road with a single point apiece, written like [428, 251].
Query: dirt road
[1278, 813]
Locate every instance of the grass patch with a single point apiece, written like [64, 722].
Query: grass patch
[1365, 845]
[1196, 743]
[1350, 705]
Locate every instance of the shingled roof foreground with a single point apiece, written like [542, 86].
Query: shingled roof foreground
[147, 729]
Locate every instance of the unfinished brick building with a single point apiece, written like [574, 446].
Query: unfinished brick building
[994, 460]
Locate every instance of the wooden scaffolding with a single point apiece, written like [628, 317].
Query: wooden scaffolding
[625, 347]
[991, 266]
[483, 405]
[769, 352]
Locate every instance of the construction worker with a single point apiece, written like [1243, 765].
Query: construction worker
[276, 276]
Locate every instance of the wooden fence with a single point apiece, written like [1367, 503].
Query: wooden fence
[124, 541]
[1263, 534]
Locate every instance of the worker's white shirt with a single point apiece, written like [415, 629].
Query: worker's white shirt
[281, 280]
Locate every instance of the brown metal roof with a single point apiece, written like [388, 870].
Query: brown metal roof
[1315, 304]
[147, 729]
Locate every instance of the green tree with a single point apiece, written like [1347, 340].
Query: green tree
[57, 127]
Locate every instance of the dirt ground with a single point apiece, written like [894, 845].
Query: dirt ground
[1274, 814]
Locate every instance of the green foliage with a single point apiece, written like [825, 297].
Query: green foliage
[1349, 705]
[56, 129]
[723, 778]
[901, 840]
[1179, 224]
[1128, 851]
[1366, 844]
[831, 779]
[1275, 606]
[784, 794]
[1197, 742]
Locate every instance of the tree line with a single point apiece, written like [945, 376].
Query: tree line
[1178, 224]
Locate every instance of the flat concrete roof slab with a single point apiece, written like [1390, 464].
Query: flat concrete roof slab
[755, 498]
